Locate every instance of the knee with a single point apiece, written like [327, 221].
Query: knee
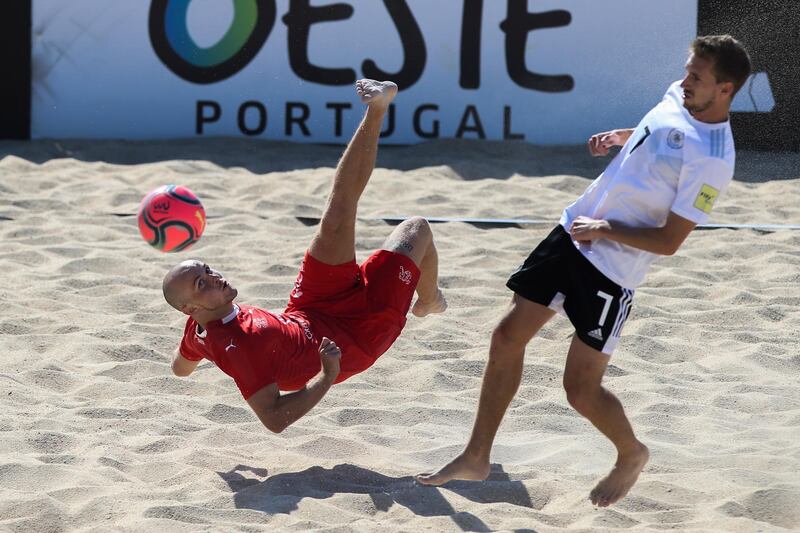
[504, 342]
[417, 221]
[582, 396]
[418, 227]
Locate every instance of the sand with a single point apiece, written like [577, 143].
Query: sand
[97, 435]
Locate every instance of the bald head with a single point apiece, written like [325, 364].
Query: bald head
[175, 283]
[194, 288]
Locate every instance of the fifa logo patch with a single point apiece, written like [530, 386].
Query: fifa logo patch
[705, 200]
[405, 276]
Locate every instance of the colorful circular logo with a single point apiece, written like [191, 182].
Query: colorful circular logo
[174, 46]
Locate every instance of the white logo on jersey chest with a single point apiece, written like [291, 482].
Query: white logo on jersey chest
[675, 138]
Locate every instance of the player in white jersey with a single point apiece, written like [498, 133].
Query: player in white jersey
[664, 181]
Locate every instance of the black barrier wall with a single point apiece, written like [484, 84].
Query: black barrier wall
[15, 81]
[770, 29]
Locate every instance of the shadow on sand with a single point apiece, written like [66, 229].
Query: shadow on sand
[282, 493]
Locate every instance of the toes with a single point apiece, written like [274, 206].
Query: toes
[428, 479]
[604, 498]
[598, 497]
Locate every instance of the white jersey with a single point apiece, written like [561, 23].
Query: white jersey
[671, 162]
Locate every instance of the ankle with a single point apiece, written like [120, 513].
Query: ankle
[425, 300]
[377, 111]
[631, 451]
[475, 455]
[428, 297]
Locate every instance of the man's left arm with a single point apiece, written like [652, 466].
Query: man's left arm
[663, 241]
[182, 366]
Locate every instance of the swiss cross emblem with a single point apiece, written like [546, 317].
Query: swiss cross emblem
[405, 276]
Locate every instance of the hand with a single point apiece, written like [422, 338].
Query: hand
[329, 354]
[600, 143]
[585, 229]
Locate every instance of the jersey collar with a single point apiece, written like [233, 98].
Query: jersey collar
[224, 320]
[231, 315]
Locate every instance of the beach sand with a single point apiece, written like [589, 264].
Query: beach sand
[96, 434]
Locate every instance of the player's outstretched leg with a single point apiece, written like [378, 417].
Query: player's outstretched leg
[501, 379]
[414, 238]
[334, 242]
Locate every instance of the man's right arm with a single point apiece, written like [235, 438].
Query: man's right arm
[277, 412]
[600, 143]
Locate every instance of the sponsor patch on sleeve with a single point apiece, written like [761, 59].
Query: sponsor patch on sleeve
[705, 200]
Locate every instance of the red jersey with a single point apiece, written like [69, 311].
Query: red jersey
[256, 348]
[361, 308]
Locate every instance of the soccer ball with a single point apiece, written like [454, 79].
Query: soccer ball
[171, 218]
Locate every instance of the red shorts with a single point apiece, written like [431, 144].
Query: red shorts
[361, 307]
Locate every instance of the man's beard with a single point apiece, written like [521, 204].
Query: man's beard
[694, 109]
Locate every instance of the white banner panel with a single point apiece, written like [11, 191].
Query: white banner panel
[544, 71]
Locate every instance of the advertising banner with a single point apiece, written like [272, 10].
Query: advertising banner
[541, 71]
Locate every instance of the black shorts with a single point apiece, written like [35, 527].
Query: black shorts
[558, 276]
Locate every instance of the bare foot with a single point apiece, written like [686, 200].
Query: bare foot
[459, 468]
[619, 481]
[438, 305]
[376, 93]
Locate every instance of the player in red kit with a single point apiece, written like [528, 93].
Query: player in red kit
[341, 316]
